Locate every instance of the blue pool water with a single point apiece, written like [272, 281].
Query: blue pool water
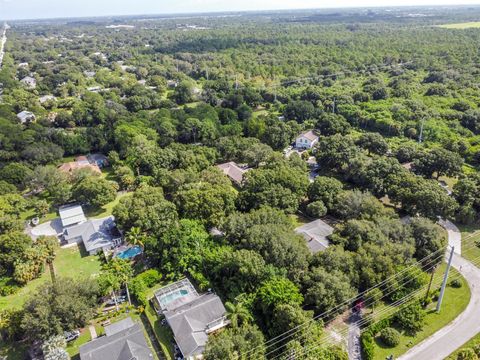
[167, 299]
[130, 252]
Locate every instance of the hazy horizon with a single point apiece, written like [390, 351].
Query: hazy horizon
[46, 9]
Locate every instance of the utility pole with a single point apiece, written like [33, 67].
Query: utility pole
[420, 138]
[236, 82]
[445, 278]
[207, 74]
[333, 106]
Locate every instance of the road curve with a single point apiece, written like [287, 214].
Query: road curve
[465, 326]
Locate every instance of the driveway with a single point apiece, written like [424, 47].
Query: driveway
[49, 228]
[354, 347]
[466, 325]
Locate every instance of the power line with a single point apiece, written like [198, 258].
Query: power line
[384, 295]
[366, 320]
[291, 332]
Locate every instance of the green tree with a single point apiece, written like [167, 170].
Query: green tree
[411, 317]
[430, 239]
[16, 173]
[328, 290]
[373, 143]
[95, 191]
[325, 189]
[62, 306]
[146, 209]
[238, 313]
[236, 343]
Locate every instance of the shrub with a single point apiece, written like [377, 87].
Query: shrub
[149, 277]
[476, 348]
[368, 345]
[456, 283]
[467, 354]
[390, 337]
[411, 317]
[316, 209]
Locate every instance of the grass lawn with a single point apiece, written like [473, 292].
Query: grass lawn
[107, 209]
[74, 346]
[466, 25]
[299, 220]
[163, 333]
[30, 214]
[70, 262]
[454, 302]
[470, 235]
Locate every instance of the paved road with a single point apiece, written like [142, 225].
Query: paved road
[465, 326]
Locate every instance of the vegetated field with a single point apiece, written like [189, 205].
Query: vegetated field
[454, 302]
[106, 210]
[470, 239]
[470, 343]
[466, 25]
[70, 262]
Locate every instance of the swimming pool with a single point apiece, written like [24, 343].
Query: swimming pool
[167, 299]
[130, 253]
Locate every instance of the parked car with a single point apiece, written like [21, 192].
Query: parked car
[71, 335]
[120, 300]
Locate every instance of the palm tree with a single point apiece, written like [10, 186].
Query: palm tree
[48, 246]
[136, 237]
[237, 313]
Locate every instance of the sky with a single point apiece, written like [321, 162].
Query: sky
[35, 9]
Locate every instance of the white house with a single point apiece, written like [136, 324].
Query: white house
[29, 82]
[306, 140]
[26, 116]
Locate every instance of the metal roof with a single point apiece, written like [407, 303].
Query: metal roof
[71, 214]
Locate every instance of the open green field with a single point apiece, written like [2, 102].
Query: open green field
[466, 25]
[70, 262]
[454, 302]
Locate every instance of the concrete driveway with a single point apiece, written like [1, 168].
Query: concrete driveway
[49, 228]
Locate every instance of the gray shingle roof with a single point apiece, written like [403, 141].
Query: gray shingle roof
[126, 344]
[95, 234]
[119, 326]
[190, 321]
[315, 234]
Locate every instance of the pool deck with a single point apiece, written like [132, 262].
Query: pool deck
[174, 288]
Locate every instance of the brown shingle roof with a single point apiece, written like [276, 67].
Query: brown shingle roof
[310, 135]
[233, 171]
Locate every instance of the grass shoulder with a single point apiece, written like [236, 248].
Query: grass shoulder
[454, 303]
